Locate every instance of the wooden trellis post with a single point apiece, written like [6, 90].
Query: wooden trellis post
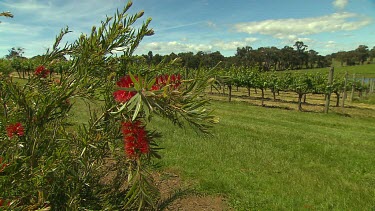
[345, 93]
[353, 89]
[328, 98]
[230, 92]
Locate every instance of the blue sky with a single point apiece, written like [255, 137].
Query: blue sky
[326, 26]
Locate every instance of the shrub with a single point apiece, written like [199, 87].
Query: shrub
[103, 165]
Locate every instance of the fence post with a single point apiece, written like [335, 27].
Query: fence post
[328, 98]
[345, 93]
[353, 89]
[230, 92]
[363, 80]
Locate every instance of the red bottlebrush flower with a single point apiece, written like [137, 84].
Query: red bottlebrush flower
[123, 96]
[125, 82]
[41, 71]
[174, 81]
[2, 203]
[162, 80]
[173, 78]
[135, 139]
[155, 87]
[15, 129]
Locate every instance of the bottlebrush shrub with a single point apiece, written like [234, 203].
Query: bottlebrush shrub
[48, 163]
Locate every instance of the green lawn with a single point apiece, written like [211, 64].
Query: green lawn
[267, 159]
[369, 99]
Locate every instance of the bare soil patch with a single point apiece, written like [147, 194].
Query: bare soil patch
[177, 195]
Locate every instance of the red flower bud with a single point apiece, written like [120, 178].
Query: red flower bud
[41, 71]
[15, 129]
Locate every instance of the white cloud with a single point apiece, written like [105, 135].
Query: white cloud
[177, 47]
[20, 29]
[31, 47]
[293, 39]
[340, 4]
[221, 45]
[292, 28]
[183, 47]
[28, 5]
[330, 44]
[303, 39]
[172, 46]
[233, 45]
[250, 39]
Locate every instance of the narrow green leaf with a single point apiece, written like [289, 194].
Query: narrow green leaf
[137, 109]
[151, 83]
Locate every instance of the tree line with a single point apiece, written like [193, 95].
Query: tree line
[358, 56]
[265, 59]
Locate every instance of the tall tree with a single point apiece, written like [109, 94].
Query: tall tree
[268, 58]
[15, 53]
[312, 58]
[288, 58]
[150, 56]
[351, 57]
[157, 59]
[362, 53]
[189, 60]
[372, 53]
[301, 49]
[323, 61]
[216, 57]
[244, 56]
[341, 57]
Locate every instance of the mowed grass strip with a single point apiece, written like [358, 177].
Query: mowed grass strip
[262, 158]
[366, 70]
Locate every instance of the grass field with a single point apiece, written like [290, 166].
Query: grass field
[266, 159]
[271, 158]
